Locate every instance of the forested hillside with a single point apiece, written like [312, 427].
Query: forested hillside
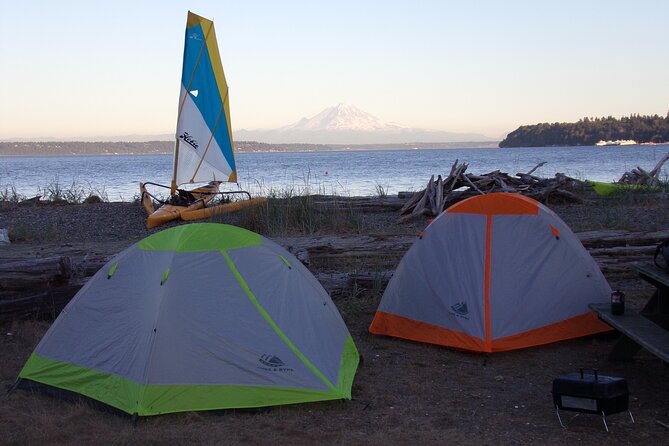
[588, 131]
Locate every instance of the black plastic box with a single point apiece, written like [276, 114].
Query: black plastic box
[591, 393]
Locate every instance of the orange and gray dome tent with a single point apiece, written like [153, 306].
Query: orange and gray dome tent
[491, 273]
[197, 317]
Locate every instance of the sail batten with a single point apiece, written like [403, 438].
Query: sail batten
[205, 148]
[204, 154]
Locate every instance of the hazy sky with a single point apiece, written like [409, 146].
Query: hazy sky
[89, 68]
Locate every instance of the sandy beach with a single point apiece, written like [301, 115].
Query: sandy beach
[405, 392]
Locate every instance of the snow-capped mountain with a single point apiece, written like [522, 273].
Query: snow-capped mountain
[342, 117]
[347, 124]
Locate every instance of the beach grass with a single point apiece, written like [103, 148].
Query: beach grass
[55, 192]
[73, 194]
[9, 196]
[303, 207]
[381, 190]
[285, 213]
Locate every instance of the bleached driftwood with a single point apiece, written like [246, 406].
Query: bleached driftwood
[34, 273]
[604, 239]
[536, 167]
[458, 185]
[641, 177]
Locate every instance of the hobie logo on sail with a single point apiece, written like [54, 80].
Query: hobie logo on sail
[189, 140]
[195, 36]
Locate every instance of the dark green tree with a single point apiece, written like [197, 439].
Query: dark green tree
[588, 131]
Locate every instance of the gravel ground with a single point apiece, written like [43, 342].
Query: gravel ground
[46, 222]
[405, 393]
[80, 222]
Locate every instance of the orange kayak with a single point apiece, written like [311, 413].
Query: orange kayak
[195, 211]
[168, 212]
[196, 214]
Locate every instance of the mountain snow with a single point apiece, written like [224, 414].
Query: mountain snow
[342, 117]
[347, 124]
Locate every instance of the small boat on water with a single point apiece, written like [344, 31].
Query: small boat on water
[203, 151]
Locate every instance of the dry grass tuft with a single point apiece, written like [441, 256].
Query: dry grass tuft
[285, 214]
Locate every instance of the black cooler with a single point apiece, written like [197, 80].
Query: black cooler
[591, 393]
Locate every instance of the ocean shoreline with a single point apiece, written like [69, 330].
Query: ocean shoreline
[330, 149]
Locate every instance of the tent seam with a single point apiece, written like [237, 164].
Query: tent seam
[275, 327]
[149, 362]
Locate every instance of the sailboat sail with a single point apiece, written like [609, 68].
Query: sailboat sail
[203, 152]
[204, 149]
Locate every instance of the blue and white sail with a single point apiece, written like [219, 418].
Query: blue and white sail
[204, 149]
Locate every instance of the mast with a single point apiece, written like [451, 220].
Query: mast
[174, 185]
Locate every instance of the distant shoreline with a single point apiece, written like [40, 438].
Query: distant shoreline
[78, 148]
[3, 155]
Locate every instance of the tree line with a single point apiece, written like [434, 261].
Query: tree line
[588, 131]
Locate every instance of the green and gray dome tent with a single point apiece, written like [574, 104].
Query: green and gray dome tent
[198, 317]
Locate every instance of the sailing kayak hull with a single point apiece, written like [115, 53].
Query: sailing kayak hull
[168, 212]
[197, 214]
[197, 211]
[146, 199]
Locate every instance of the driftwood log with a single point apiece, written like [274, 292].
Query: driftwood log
[26, 274]
[35, 287]
[641, 177]
[458, 185]
[42, 287]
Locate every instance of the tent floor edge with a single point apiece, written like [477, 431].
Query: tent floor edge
[71, 397]
[29, 385]
[388, 324]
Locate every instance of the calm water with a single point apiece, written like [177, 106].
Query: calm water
[341, 173]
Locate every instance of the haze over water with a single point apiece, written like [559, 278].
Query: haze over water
[351, 173]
